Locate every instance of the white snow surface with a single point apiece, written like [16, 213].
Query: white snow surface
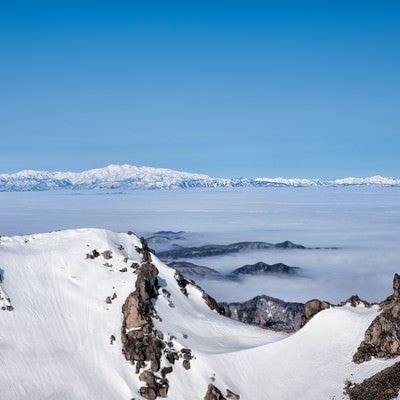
[55, 344]
[133, 177]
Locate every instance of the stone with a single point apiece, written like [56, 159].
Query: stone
[107, 254]
[231, 396]
[213, 393]
[108, 300]
[382, 337]
[312, 308]
[148, 393]
[165, 371]
[123, 269]
[148, 377]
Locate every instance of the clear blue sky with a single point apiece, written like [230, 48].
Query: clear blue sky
[226, 88]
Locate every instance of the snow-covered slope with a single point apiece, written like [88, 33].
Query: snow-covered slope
[55, 343]
[131, 177]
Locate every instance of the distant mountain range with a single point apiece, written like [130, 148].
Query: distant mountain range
[132, 177]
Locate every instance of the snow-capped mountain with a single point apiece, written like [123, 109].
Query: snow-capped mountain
[132, 177]
[92, 314]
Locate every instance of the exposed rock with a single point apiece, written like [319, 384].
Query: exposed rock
[182, 282]
[186, 364]
[123, 269]
[382, 338]
[267, 312]
[165, 371]
[112, 339]
[108, 300]
[231, 396]
[212, 303]
[148, 377]
[213, 393]
[148, 393]
[355, 301]
[94, 254]
[114, 296]
[385, 385]
[107, 254]
[313, 307]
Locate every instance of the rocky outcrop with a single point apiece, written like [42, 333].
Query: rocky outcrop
[385, 385]
[266, 312]
[141, 342]
[210, 301]
[313, 307]
[355, 301]
[213, 393]
[5, 301]
[382, 338]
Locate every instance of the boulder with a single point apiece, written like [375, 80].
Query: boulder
[213, 393]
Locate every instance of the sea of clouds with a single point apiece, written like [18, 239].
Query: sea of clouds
[363, 222]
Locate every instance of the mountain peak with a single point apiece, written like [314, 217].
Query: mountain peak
[126, 176]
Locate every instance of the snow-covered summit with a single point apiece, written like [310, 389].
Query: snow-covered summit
[62, 338]
[133, 177]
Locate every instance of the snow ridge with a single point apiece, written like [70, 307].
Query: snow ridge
[132, 177]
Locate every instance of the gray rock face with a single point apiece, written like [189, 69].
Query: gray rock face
[213, 393]
[385, 385]
[261, 268]
[313, 307]
[382, 338]
[217, 250]
[268, 312]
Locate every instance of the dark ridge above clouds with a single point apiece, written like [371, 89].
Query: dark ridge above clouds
[211, 250]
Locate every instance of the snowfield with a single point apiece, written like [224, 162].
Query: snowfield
[132, 177]
[55, 343]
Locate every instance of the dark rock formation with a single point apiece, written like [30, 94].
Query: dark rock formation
[217, 250]
[355, 301]
[94, 254]
[382, 338]
[267, 312]
[231, 396]
[140, 342]
[107, 254]
[261, 268]
[385, 385]
[182, 282]
[210, 301]
[213, 393]
[313, 307]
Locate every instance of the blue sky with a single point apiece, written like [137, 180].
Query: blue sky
[226, 88]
